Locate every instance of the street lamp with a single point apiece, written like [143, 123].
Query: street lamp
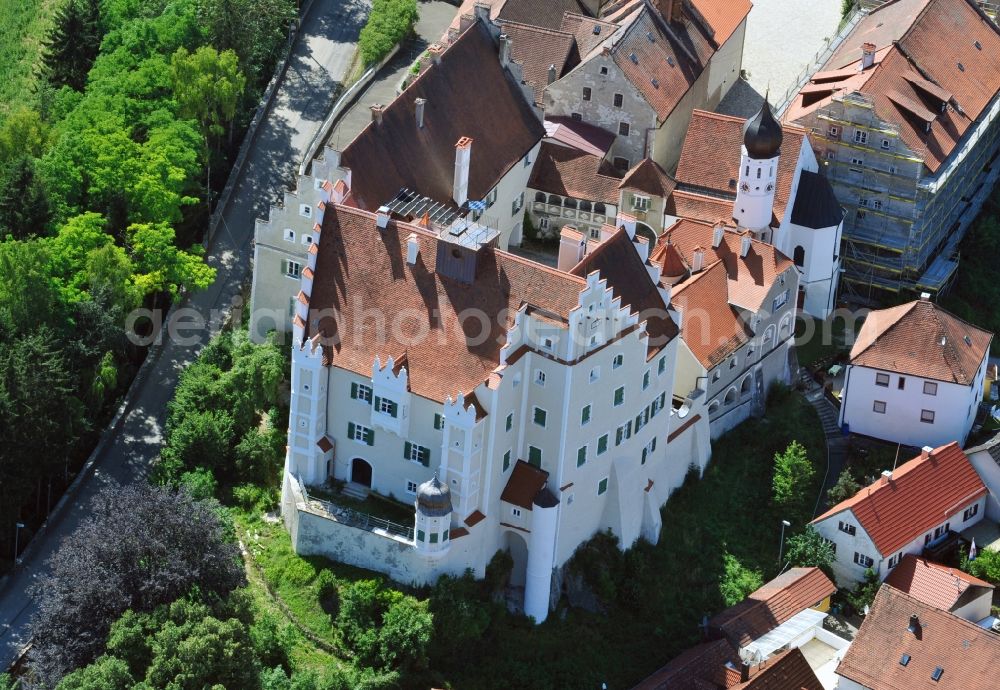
[18, 526]
[781, 546]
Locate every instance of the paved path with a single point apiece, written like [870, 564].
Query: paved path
[836, 443]
[783, 37]
[435, 17]
[321, 57]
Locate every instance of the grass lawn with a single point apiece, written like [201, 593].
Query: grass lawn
[23, 25]
[662, 591]
[818, 342]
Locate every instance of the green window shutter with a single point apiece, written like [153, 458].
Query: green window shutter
[628, 429]
[354, 391]
[434, 537]
[407, 448]
[393, 409]
[510, 421]
[284, 267]
[370, 437]
[438, 421]
[350, 430]
[506, 461]
[446, 535]
[376, 401]
[619, 395]
[534, 456]
[425, 457]
[643, 457]
[619, 434]
[638, 421]
[602, 444]
[652, 445]
[602, 487]
[663, 399]
[581, 456]
[420, 535]
[585, 415]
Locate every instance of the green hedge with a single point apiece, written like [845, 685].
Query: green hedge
[388, 23]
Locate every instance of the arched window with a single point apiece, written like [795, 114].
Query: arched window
[714, 407]
[540, 196]
[555, 200]
[745, 386]
[730, 396]
[569, 203]
[599, 209]
[758, 173]
[585, 206]
[799, 256]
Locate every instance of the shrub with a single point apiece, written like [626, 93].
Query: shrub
[498, 571]
[200, 483]
[326, 591]
[793, 474]
[864, 594]
[986, 566]
[809, 550]
[845, 487]
[388, 23]
[461, 614]
[737, 581]
[255, 498]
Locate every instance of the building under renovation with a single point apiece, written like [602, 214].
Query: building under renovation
[903, 117]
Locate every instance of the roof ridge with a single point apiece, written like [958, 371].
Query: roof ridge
[887, 328]
[695, 277]
[539, 29]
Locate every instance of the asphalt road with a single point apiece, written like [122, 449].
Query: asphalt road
[320, 59]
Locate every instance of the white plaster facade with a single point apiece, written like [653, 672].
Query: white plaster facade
[907, 409]
[837, 529]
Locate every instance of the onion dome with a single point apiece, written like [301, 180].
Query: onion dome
[434, 498]
[762, 134]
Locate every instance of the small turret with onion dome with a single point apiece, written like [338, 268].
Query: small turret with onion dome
[433, 517]
[762, 134]
[761, 150]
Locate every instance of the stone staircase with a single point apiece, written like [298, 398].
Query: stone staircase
[836, 442]
[358, 492]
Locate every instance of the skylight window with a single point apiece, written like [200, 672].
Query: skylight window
[649, 35]
[597, 29]
[633, 58]
[670, 60]
[936, 676]
[904, 660]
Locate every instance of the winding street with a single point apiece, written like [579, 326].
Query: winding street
[321, 57]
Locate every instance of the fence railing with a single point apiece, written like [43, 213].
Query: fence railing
[357, 518]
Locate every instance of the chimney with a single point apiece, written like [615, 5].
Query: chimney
[744, 245]
[463, 155]
[886, 477]
[504, 50]
[698, 260]
[744, 672]
[412, 249]
[914, 626]
[418, 109]
[925, 452]
[382, 217]
[717, 233]
[925, 297]
[867, 55]
[377, 113]
[481, 10]
[552, 73]
[435, 50]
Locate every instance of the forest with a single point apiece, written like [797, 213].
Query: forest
[119, 123]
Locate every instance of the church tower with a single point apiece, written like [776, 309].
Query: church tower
[758, 172]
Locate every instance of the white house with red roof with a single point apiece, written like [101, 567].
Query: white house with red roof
[943, 587]
[915, 505]
[916, 376]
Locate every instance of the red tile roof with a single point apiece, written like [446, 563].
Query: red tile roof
[710, 159]
[361, 269]
[570, 172]
[700, 207]
[938, 39]
[724, 16]
[966, 654]
[618, 262]
[934, 584]
[385, 158]
[647, 176]
[922, 494]
[693, 667]
[777, 601]
[788, 670]
[547, 13]
[535, 49]
[525, 482]
[582, 27]
[750, 277]
[711, 327]
[920, 338]
[673, 65]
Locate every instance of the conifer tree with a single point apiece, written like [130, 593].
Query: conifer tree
[24, 204]
[73, 43]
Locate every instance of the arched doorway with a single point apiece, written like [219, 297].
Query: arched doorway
[517, 547]
[644, 230]
[361, 472]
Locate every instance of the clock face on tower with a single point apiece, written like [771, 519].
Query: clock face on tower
[770, 187]
[745, 187]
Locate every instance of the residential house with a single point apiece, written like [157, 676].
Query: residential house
[986, 459]
[520, 407]
[716, 666]
[916, 376]
[915, 505]
[904, 117]
[786, 612]
[440, 150]
[773, 639]
[765, 178]
[655, 63]
[907, 643]
[735, 298]
[943, 587]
